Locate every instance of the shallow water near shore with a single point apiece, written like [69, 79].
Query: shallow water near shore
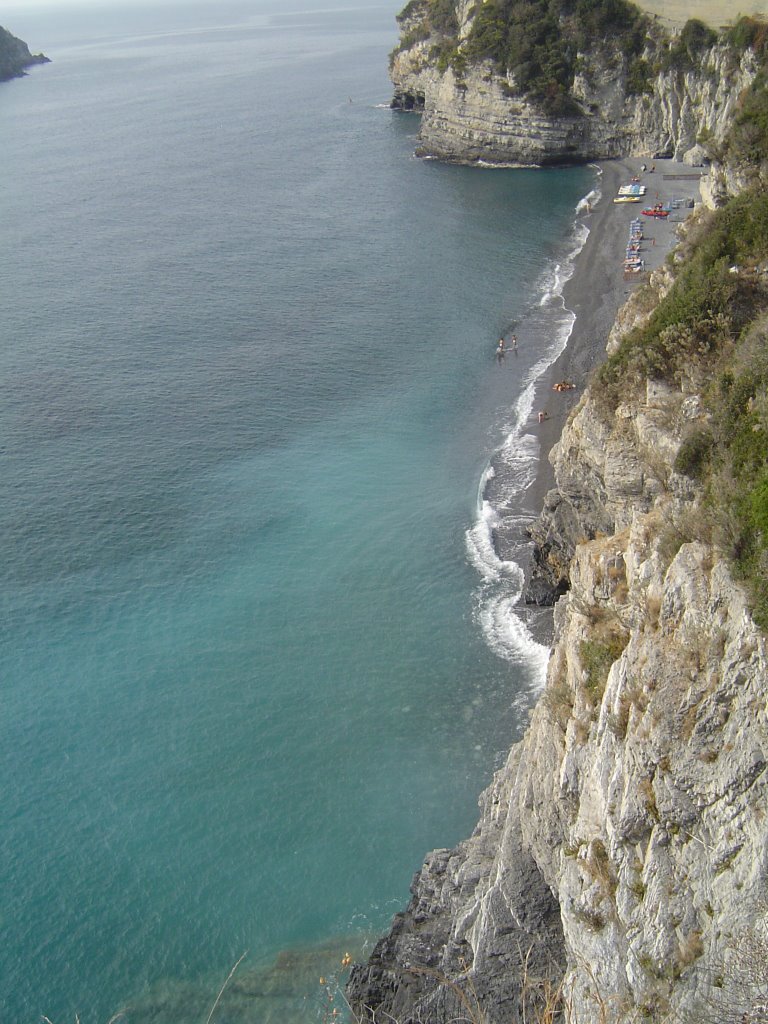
[259, 653]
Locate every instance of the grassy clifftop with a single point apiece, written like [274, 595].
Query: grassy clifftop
[714, 12]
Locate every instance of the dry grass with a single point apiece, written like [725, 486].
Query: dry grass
[690, 948]
[648, 793]
[221, 990]
[713, 12]
[558, 700]
[599, 867]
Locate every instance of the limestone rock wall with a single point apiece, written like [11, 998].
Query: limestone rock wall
[478, 116]
[620, 859]
[622, 850]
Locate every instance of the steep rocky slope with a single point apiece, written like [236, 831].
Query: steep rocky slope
[624, 843]
[474, 111]
[619, 870]
[15, 57]
[622, 850]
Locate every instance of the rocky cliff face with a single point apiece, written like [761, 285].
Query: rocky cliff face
[477, 115]
[15, 57]
[620, 860]
[644, 766]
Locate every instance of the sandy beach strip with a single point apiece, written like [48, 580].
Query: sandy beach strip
[598, 288]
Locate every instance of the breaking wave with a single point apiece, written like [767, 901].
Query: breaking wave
[497, 543]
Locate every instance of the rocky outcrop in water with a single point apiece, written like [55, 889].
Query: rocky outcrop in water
[474, 113]
[15, 57]
[482, 911]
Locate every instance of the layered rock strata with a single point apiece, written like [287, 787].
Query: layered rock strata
[621, 851]
[479, 115]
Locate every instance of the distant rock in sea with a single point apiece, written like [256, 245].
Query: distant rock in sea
[15, 56]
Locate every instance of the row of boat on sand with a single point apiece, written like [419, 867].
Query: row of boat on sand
[634, 192]
[631, 193]
[633, 260]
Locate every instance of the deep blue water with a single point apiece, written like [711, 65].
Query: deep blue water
[258, 655]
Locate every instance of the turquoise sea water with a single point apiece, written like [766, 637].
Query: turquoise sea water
[258, 653]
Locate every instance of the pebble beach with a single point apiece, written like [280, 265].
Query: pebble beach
[599, 287]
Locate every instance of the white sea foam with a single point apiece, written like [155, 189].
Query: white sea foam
[488, 474]
[509, 636]
[590, 200]
[487, 165]
[519, 454]
[502, 580]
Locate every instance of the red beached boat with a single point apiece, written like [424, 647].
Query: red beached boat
[656, 212]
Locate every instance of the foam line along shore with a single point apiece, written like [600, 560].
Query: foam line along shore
[598, 287]
[569, 323]
[497, 543]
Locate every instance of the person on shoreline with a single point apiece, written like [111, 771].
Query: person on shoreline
[500, 351]
[513, 343]
[543, 415]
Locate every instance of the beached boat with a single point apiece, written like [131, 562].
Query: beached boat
[655, 212]
[628, 199]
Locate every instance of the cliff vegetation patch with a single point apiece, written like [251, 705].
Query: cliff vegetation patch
[710, 333]
[541, 45]
[597, 656]
[688, 48]
[538, 42]
[721, 287]
[420, 20]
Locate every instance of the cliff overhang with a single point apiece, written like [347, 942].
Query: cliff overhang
[614, 88]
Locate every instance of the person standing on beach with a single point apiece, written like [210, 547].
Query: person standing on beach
[513, 342]
[501, 351]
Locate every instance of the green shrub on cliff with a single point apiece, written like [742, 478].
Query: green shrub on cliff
[414, 8]
[738, 406]
[442, 17]
[747, 141]
[538, 41]
[694, 454]
[713, 327]
[715, 296]
[687, 49]
[430, 17]
[437, 15]
[597, 656]
[748, 34]
[639, 77]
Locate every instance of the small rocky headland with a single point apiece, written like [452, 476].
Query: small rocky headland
[619, 868]
[15, 57]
